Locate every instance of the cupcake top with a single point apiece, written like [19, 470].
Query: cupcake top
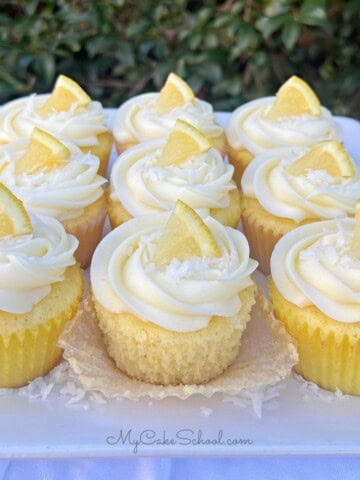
[51, 177]
[293, 117]
[151, 177]
[304, 183]
[316, 264]
[174, 270]
[153, 115]
[34, 253]
[67, 112]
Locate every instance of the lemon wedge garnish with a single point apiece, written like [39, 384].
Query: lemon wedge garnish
[43, 153]
[183, 142]
[65, 94]
[355, 246]
[185, 236]
[174, 93]
[329, 155]
[14, 219]
[294, 98]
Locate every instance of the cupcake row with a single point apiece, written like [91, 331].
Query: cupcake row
[172, 283]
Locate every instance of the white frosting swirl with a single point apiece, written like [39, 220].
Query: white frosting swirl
[137, 120]
[182, 296]
[250, 128]
[82, 125]
[313, 265]
[143, 187]
[29, 264]
[315, 194]
[63, 192]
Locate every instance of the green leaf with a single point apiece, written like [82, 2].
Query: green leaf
[99, 45]
[136, 28]
[209, 71]
[211, 40]
[269, 25]
[247, 39]
[195, 41]
[290, 34]
[259, 59]
[313, 12]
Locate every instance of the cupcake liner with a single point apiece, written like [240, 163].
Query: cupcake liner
[102, 150]
[231, 215]
[26, 356]
[29, 348]
[262, 240]
[116, 211]
[220, 143]
[121, 146]
[266, 356]
[329, 351]
[240, 159]
[89, 234]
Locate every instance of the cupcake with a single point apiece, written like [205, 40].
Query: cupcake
[41, 288]
[293, 117]
[315, 289]
[67, 113]
[59, 180]
[173, 294]
[153, 115]
[287, 187]
[150, 177]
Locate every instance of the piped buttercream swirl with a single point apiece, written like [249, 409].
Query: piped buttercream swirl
[63, 192]
[249, 127]
[144, 187]
[82, 125]
[313, 265]
[182, 296]
[137, 120]
[315, 194]
[29, 264]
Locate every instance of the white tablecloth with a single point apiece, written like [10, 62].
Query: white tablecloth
[255, 468]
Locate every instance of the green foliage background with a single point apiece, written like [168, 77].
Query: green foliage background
[229, 52]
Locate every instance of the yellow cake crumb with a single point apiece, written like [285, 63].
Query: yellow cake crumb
[153, 354]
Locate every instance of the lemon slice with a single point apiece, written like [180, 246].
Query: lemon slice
[174, 93]
[329, 155]
[184, 141]
[14, 219]
[65, 94]
[294, 98]
[43, 154]
[185, 236]
[355, 246]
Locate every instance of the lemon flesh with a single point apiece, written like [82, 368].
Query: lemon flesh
[185, 236]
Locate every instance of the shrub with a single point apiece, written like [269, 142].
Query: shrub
[229, 52]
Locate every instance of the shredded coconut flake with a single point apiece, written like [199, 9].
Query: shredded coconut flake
[205, 411]
[309, 390]
[259, 399]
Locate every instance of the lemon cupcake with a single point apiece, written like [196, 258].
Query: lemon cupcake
[67, 113]
[57, 179]
[293, 117]
[153, 115]
[173, 294]
[287, 187]
[315, 289]
[41, 287]
[151, 177]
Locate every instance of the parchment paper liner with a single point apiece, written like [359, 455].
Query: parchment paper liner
[266, 357]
